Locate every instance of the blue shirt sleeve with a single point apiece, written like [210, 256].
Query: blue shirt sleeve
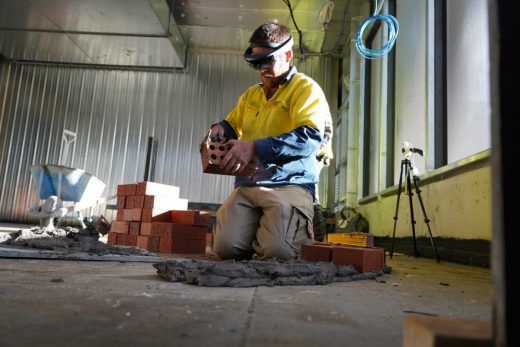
[300, 143]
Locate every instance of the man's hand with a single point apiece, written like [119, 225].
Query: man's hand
[240, 153]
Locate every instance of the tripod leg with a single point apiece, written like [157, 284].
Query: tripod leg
[410, 194]
[397, 208]
[426, 220]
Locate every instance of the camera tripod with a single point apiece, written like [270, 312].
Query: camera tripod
[406, 167]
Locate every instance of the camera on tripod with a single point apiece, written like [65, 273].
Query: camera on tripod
[408, 149]
[407, 170]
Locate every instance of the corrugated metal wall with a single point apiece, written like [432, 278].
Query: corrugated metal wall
[113, 113]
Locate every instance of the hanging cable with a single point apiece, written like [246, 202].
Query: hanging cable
[288, 3]
[393, 31]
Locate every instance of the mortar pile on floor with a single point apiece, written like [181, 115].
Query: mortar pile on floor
[251, 273]
[66, 240]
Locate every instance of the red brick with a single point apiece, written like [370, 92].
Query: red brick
[119, 227]
[134, 227]
[316, 252]
[155, 215]
[112, 238]
[126, 189]
[135, 201]
[153, 188]
[194, 217]
[120, 214]
[126, 240]
[364, 259]
[162, 229]
[121, 201]
[150, 243]
[146, 228]
[132, 214]
[165, 245]
[211, 153]
[193, 246]
[130, 189]
[188, 232]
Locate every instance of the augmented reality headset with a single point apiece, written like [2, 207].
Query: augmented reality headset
[267, 60]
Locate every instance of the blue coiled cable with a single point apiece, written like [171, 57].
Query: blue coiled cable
[393, 30]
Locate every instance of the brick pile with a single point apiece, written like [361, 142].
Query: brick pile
[152, 216]
[364, 259]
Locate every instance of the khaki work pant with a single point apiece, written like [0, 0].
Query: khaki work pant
[268, 222]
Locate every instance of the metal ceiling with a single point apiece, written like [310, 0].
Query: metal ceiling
[228, 24]
[98, 32]
[156, 33]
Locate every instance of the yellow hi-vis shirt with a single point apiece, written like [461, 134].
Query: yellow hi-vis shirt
[298, 102]
[290, 131]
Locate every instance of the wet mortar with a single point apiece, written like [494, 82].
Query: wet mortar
[66, 240]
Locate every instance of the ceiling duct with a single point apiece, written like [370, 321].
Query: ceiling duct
[129, 33]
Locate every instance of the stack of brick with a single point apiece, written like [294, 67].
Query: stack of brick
[153, 217]
[364, 259]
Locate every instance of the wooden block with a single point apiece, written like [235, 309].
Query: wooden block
[132, 214]
[155, 215]
[194, 246]
[188, 232]
[165, 202]
[121, 201]
[212, 153]
[162, 229]
[153, 188]
[146, 228]
[150, 243]
[119, 227]
[134, 228]
[352, 239]
[316, 252]
[193, 217]
[112, 238]
[364, 259]
[165, 245]
[428, 331]
[120, 214]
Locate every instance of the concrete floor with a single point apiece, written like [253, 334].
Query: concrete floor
[101, 303]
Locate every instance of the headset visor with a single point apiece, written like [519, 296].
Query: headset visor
[266, 61]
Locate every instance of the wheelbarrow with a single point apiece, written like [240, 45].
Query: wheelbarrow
[57, 184]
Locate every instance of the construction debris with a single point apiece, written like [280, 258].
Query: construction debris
[69, 240]
[252, 273]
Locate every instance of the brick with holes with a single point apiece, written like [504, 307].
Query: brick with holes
[212, 153]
